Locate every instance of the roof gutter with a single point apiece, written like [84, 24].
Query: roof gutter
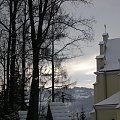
[109, 70]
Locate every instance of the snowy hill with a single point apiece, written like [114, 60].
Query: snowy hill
[80, 97]
[83, 98]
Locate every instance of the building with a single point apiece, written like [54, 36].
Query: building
[57, 111]
[107, 85]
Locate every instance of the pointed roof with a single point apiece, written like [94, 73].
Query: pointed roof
[59, 111]
[112, 55]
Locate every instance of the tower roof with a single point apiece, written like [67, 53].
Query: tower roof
[59, 111]
[112, 55]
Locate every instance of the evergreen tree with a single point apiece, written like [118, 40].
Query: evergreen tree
[82, 115]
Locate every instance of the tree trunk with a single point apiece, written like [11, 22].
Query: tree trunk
[34, 94]
[23, 73]
[23, 64]
[8, 53]
[53, 75]
[12, 97]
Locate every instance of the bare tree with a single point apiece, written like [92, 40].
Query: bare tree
[11, 34]
[49, 28]
[46, 10]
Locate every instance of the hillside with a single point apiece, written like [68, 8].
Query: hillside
[83, 98]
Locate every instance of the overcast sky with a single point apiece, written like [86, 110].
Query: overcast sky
[105, 12]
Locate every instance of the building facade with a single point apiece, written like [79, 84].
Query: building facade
[107, 85]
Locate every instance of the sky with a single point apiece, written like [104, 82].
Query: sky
[105, 12]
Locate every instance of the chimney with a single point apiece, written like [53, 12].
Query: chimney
[105, 36]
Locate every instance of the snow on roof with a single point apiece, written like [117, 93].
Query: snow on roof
[105, 34]
[93, 111]
[112, 101]
[99, 56]
[112, 55]
[101, 42]
[59, 111]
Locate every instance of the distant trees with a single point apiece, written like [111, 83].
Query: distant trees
[61, 83]
[33, 33]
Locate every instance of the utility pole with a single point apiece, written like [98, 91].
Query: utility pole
[53, 73]
[53, 66]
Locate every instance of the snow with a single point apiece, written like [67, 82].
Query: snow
[101, 42]
[95, 83]
[105, 34]
[22, 115]
[112, 55]
[93, 111]
[59, 111]
[36, 78]
[112, 101]
[118, 106]
[100, 56]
